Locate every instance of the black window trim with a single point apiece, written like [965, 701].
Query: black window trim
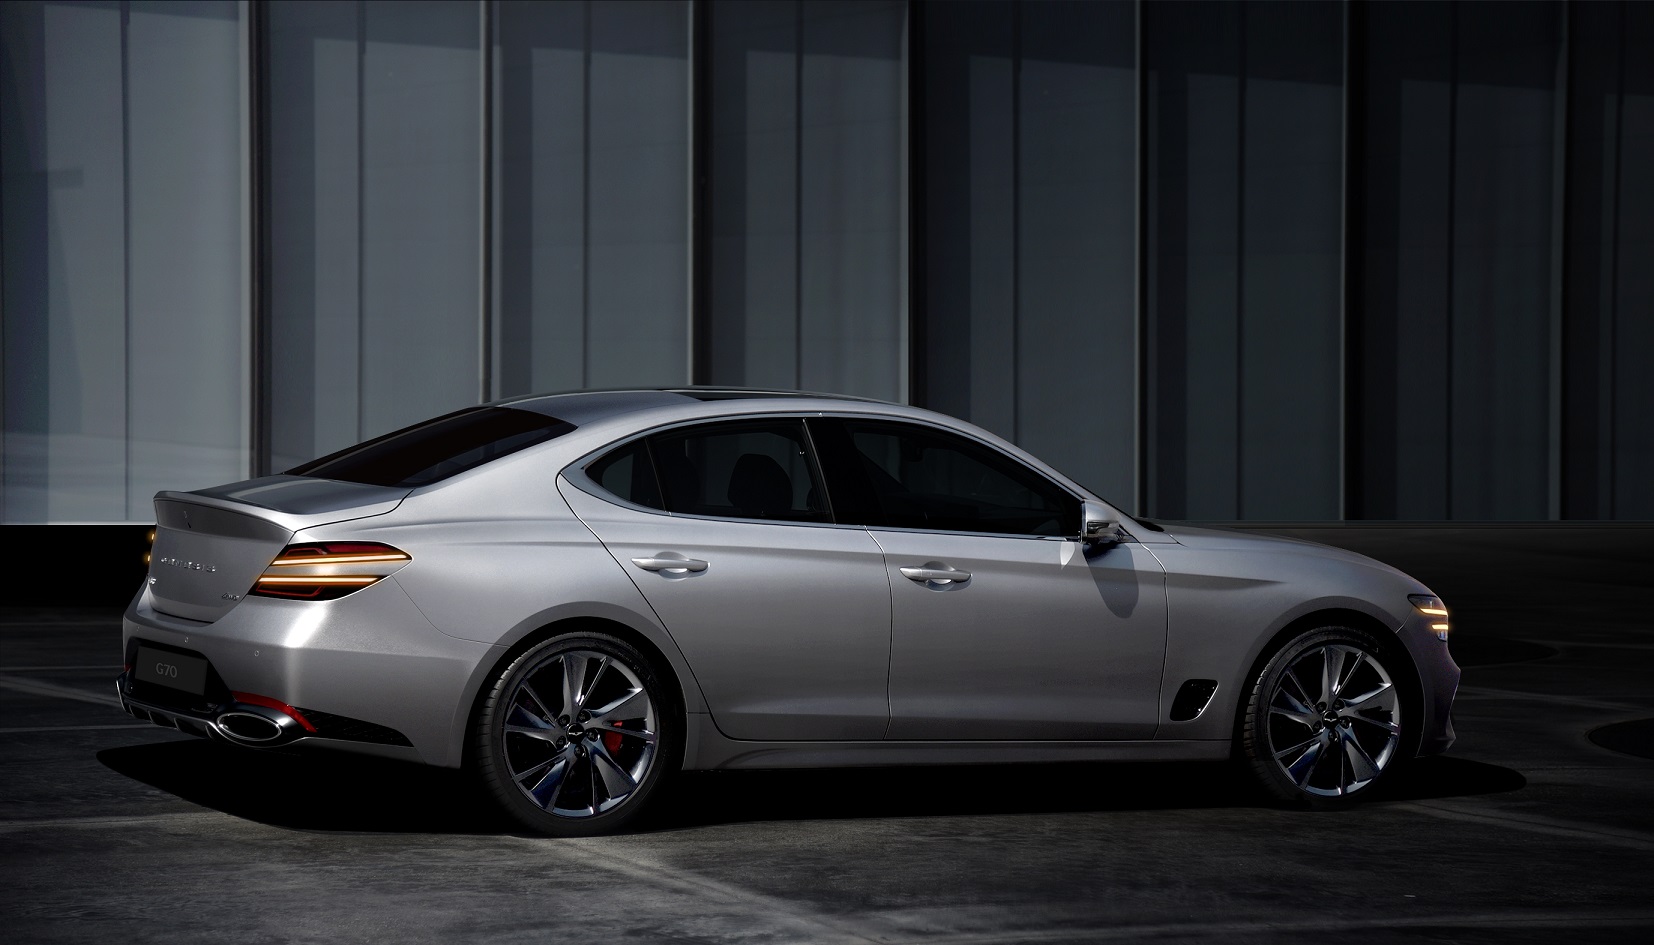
[887, 418]
[577, 473]
[310, 468]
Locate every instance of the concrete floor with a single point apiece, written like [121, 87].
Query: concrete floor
[1527, 831]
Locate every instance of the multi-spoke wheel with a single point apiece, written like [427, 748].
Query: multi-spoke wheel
[575, 735]
[1324, 722]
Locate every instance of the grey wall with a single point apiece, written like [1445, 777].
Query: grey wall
[123, 323]
[1267, 261]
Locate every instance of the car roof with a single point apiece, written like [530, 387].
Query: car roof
[589, 406]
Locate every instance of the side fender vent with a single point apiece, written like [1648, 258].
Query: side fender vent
[1192, 699]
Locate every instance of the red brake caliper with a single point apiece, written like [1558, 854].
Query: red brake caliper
[611, 740]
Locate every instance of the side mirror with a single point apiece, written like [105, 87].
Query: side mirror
[1098, 524]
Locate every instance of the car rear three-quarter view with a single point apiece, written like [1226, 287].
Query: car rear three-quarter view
[576, 595]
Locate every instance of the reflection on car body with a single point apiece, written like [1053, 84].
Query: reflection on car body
[577, 594]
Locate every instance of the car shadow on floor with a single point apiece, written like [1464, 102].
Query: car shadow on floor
[353, 794]
[311, 791]
[714, 797]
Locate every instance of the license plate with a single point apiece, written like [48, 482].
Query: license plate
[174, 670]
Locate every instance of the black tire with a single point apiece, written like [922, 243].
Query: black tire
[1307, 747]
[522, 771]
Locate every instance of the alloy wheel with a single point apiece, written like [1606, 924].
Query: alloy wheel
[581, 733]
[1334, 720]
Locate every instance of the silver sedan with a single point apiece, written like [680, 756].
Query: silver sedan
[577, 595]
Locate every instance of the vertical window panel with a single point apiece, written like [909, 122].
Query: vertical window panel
[62, 197]
[1502, 195]
[421, 215]
[591, 195]
[314, 220]
[1633, 392]
[1245, 196]
[1030, 114]
[1455, 272]
[374, 215]
[753, 265]
[969, 184]
[807, 196]
[852, 290]
[540, 182]
[1401, 262]
[1076, 229]
[638, 188]
[1291, 301]
[125, 330]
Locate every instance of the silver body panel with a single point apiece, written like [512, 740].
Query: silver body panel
[788, 625]
[798, 644]
[1043, 642]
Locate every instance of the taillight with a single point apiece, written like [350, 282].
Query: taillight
[328, 570]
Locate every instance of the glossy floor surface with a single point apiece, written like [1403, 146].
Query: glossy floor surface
[1529, 830]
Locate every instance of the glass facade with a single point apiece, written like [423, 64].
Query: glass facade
[1030, 228]
[122, 255]
[807, 213]
[591, 197]
[1307, 261]
[375, 219]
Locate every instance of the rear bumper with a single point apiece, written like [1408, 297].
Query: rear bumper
[255, 726]
[368, 672]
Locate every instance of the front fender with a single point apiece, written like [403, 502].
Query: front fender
[1226, 606]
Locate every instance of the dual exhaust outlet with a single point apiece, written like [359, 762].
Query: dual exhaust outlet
[257, 726]
[249, 720]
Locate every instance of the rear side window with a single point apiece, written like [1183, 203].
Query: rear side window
[436, 449]
[628, 474]
[751, 469]
[740, 469]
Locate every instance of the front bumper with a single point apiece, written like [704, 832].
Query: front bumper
[1438, 683]
[367, 672]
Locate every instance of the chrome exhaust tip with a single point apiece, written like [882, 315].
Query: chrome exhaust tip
[256, 726]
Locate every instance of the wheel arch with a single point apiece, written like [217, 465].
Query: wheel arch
[1407, 671]
[669, 666]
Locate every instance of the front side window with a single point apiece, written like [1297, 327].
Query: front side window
[919, 477]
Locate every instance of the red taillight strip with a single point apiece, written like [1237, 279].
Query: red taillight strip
[363, 563]
[336, 559]
[359, 580]
[252, 698]
[339, 552]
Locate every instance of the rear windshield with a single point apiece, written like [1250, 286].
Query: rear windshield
[436, 449]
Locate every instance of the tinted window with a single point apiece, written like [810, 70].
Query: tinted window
[628, 474]
[436, 449]
[740, 469]
[917, 477]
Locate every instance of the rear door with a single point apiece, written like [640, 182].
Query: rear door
[783, 615]
[1002, 626]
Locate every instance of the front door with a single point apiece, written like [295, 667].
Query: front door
[1033, 639]
[1002, 626]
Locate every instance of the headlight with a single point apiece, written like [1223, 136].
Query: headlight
[1433, 608]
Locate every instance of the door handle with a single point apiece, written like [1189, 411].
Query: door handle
[670, 565]
[939, 575]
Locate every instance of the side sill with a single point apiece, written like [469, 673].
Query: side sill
[707, 749]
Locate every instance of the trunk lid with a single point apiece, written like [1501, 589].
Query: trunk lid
[211, 545]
